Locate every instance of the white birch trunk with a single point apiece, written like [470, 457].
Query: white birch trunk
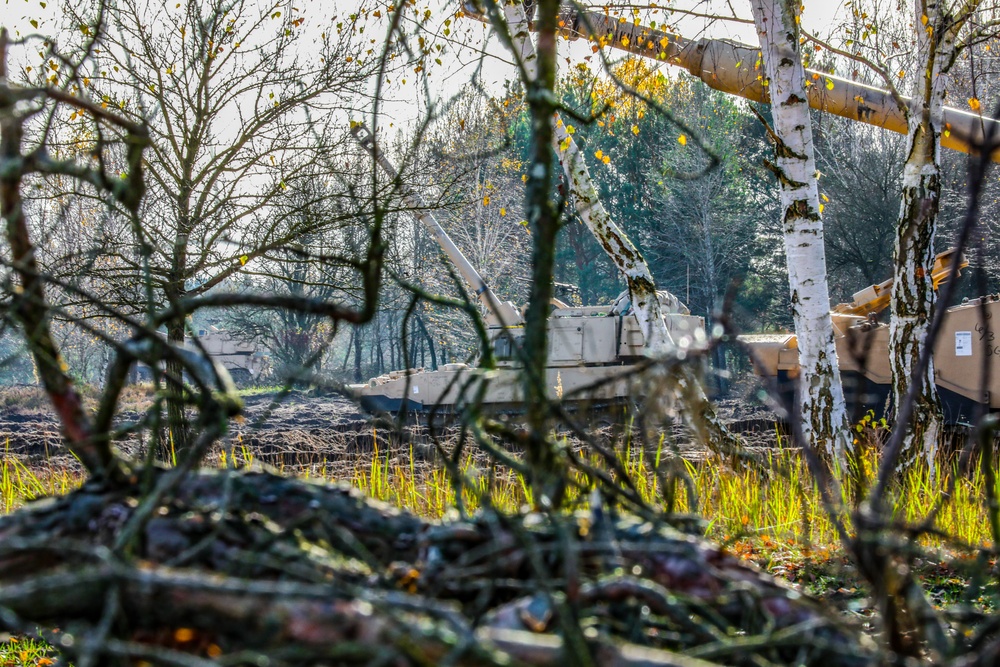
[913, 296]
[583, 193]
[699, 412]
[821, 399]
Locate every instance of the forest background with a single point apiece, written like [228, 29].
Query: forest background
[467, 154]
[169, 168]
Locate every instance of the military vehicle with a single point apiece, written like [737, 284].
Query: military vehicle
[964, 353]
[244, 361]
[592, 349]
[590, 344]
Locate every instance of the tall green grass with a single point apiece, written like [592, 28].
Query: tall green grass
[777, 500]
[20, 484]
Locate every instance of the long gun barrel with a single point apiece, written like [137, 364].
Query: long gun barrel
[875, 298]
[733, 68]
[505, 313]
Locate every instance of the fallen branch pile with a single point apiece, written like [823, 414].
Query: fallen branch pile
[245, 566]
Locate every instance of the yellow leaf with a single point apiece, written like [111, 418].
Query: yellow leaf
[599, 154]
[902, 73]
[924, 19]
[570, 129]
[635, 130]
[524, 178]
[682, 140]
[606, 159]
[503, 212]
[184, 634]
[821, 207]
[825, 198]
[624, 40]
[486, 200]
[244, 259]
[564, 146]
[974, 104]
[829, 84]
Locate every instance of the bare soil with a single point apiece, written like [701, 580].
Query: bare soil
[306, 430]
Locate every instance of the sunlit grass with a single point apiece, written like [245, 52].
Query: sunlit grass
[25, 652]
[776, 500]
[20, 484]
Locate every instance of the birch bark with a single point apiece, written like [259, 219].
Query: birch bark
[913, 296]
[699, 411]
[821, 399]
[583, 193]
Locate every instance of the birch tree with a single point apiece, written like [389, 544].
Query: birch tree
[937, 24]
[582, 191]
[619, 248]
[821, 400]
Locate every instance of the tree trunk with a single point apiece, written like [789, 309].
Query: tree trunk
[821, 399]
[178, 440]
[913, 296]
[539, 81]
[357, 354]
[430, 342]
[699, 412]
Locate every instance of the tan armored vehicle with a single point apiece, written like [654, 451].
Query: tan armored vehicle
[592, 349]
[964, 350]
[244, 361]
[592, 343]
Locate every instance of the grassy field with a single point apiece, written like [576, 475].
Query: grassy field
[770, 513]
[773, 503]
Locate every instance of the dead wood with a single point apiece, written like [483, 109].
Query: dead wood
[270, 566]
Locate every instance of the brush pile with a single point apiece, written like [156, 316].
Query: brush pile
[255, 568]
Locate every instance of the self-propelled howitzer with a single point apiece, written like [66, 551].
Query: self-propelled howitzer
[966, 351]
[592, 350]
